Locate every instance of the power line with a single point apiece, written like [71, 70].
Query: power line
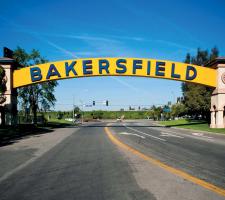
[114, 104]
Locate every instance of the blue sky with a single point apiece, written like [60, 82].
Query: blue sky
[130, 28]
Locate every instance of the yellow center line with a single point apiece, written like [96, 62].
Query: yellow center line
[168, 168]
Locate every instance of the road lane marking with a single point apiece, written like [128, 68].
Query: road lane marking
[125, 133]
[163, 130]
[202, 135]
[165, 134]
[196, 135]
[168, 168]
[145, 133]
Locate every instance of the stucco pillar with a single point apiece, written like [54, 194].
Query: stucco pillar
[9, 106]
[218, 95]
[213, 119]
[219, 119]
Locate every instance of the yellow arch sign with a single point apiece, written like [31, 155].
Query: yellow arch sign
[114, 67]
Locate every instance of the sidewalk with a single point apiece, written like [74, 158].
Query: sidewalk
[15, 156]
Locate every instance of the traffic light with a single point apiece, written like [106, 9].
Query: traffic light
[93, 103]
[107, 103]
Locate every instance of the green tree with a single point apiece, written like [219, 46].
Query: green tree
[98, 114]
[59, 115]
[39, 96]
[77, 112]
[178, 110]
[155, 112]
[197, 97]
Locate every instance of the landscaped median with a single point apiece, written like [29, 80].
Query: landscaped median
[199, 125]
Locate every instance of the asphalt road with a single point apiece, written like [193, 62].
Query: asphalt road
[201, 155]
[87, 165]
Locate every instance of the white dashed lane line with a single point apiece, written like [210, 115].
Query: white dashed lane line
[193, 135]
[126, 133]
[165, 134]
[146, 134]
[202, 135]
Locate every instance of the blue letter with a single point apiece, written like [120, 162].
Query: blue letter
[103, 65]
[191, 68]
[148, 68]
[119, 64]
[87, 67]
[160, 71]
[35, 74]
[70, 68]
[52, 71]
[137, 64]
[173, 75]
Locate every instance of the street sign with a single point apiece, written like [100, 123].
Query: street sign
[114, 67]
[166, 110]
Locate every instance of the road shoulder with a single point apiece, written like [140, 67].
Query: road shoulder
[20, 154]
[162, 183]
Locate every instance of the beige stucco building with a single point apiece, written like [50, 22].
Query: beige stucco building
[8, 109]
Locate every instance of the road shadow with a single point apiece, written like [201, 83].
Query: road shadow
[117, 124]
[95, 126]
[10, 135]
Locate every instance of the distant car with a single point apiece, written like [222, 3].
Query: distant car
[119, 120]
[77, 121]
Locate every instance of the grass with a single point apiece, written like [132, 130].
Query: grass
[199, 125]
[60, 121]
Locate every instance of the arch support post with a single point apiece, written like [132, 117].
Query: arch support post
[213, 118]
[218, 95]
[8, 100]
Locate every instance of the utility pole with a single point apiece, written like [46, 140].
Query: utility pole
[73, 109]
[82, 114]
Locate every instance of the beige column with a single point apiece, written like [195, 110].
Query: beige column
[10, 103]
[213, 119]
[219, 119]
[218, 95]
